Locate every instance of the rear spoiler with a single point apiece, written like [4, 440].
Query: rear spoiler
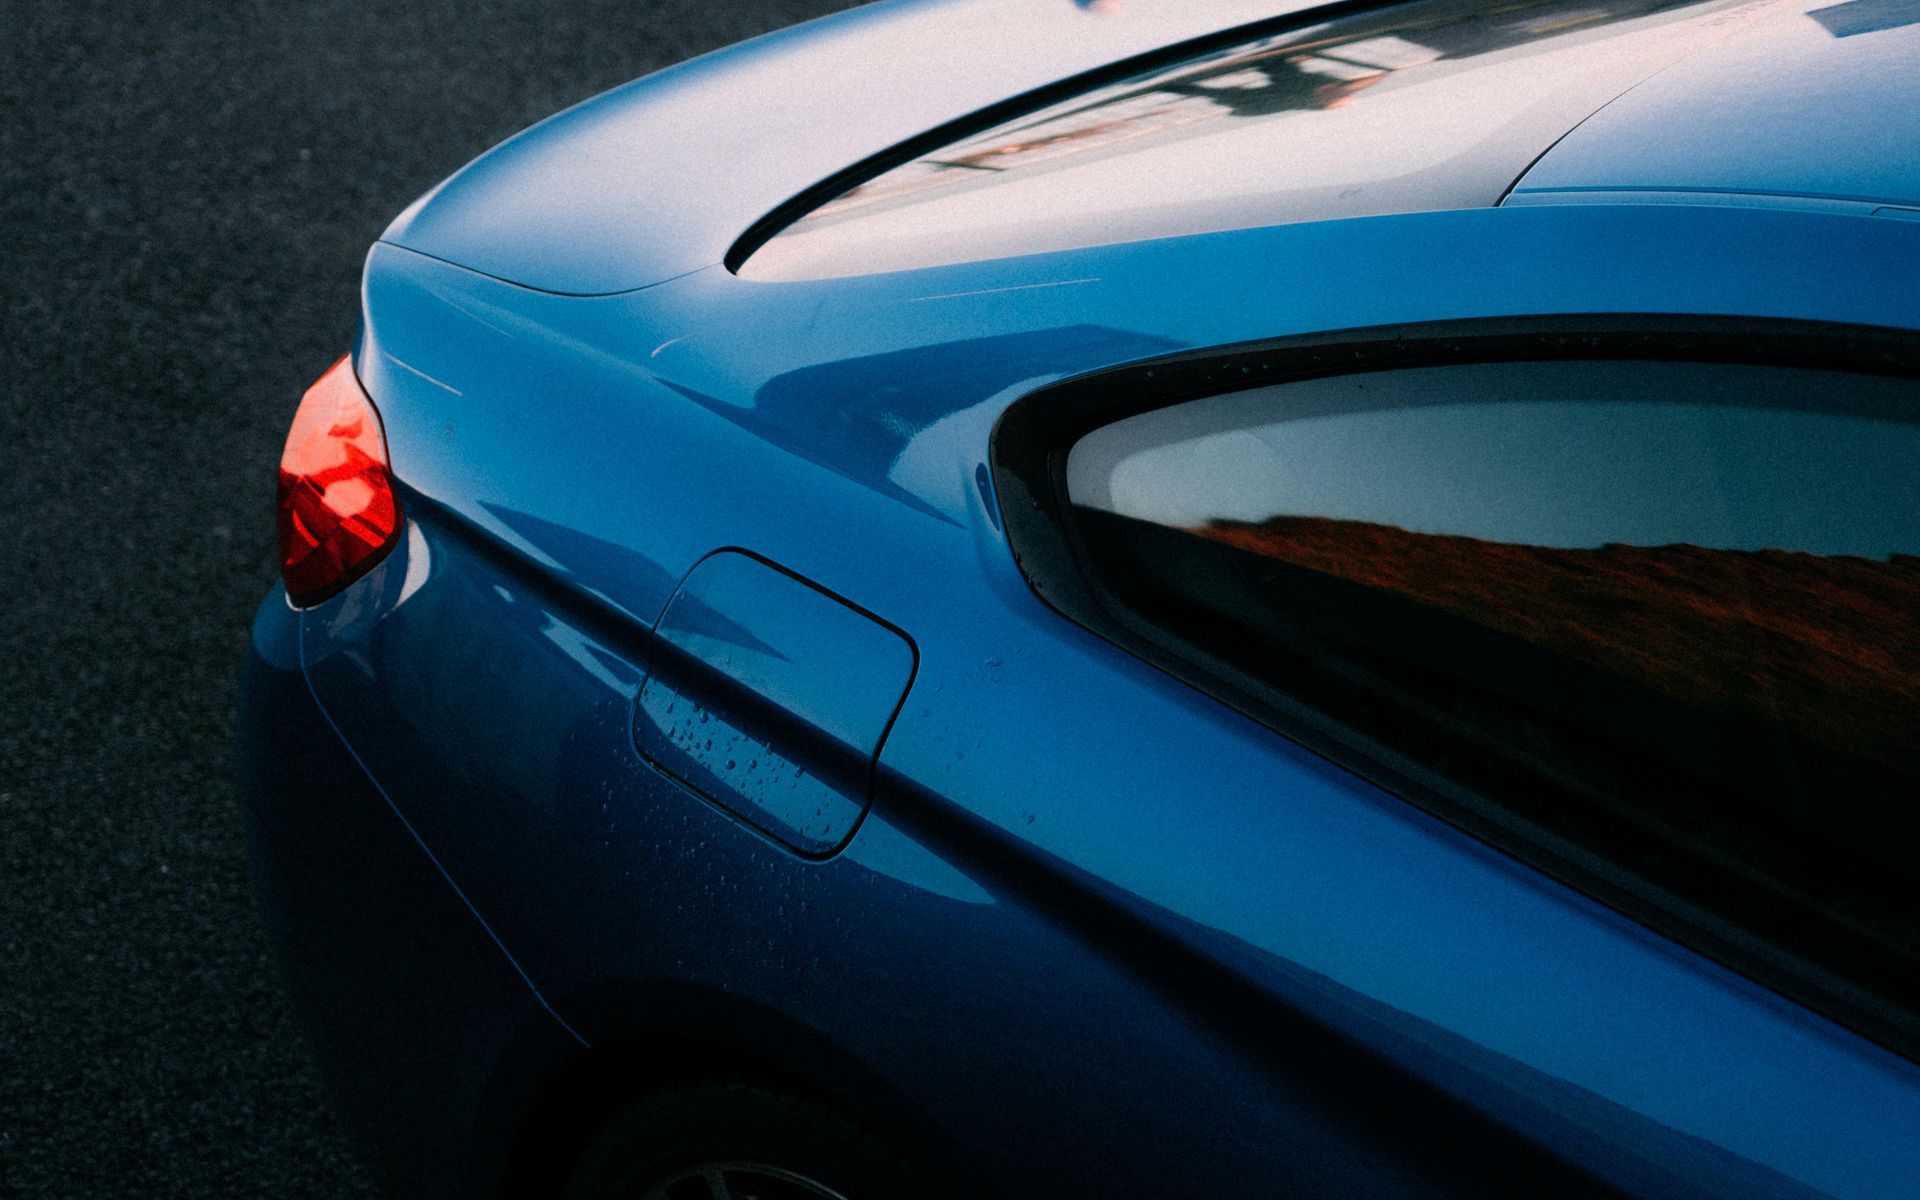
[659, 177]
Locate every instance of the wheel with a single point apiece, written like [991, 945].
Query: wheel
[735, 1141]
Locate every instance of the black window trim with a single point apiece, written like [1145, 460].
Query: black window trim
[1028, 453]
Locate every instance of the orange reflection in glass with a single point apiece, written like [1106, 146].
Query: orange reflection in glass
[1823, 645]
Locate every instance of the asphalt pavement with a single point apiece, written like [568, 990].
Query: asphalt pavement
[186, 194]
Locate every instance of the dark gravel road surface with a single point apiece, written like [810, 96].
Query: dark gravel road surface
[186, 193]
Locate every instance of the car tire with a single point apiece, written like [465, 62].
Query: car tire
[735, 1140]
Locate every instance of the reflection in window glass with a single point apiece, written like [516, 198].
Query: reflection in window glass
[1665, 609]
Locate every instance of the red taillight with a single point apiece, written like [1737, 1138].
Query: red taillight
[338, 514]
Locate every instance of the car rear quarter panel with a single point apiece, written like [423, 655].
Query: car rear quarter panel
[1064, 840]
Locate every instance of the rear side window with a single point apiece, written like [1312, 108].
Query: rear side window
[1668, 613]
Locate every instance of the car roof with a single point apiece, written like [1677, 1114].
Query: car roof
[1810, 103]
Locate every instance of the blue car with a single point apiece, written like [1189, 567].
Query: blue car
[1016, 598]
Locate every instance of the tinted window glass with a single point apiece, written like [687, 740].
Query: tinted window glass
[1414, 107]
[1668, 611]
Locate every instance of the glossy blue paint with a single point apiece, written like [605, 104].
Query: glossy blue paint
[1097, 931]
[758, 676]
[1523, 1001]
[1805, 104]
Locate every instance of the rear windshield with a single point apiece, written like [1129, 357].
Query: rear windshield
[1415, 107]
